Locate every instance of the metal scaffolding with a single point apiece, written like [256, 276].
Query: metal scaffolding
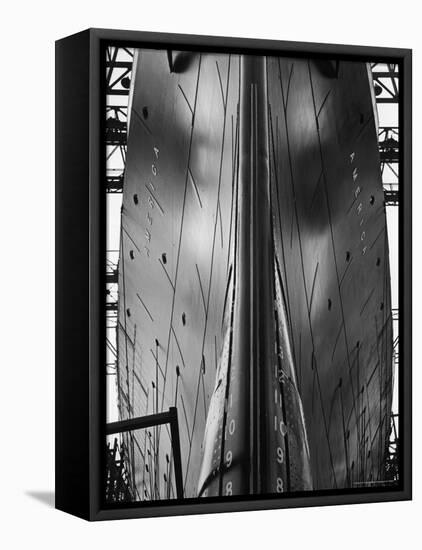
[392, 469]
[118, 486]
[119, 63]
[387, 93]
[386, 89]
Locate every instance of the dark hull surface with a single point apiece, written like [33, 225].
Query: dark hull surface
[253, 276]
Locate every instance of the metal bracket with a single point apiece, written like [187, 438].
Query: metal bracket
[142, 422]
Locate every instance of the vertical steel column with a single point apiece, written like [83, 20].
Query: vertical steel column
[177, 457]
[254, 317]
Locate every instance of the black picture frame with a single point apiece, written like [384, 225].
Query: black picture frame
[80, 252]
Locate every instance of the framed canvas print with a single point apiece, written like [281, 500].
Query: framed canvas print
[233, 274]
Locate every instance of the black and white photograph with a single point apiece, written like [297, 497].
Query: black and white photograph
[211, 231]
[252, 275]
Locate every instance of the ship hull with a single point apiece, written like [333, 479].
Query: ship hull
[253, 276]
